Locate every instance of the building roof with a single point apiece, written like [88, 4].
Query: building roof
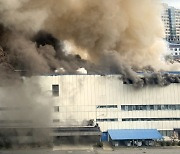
[134, 134]
[96, 74]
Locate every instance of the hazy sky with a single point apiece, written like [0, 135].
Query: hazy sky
[175, 3]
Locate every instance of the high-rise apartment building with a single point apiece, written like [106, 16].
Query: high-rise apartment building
[171, 19]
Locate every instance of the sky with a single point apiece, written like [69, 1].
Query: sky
[174, 3]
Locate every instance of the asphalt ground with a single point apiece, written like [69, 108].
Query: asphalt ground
[97, 151]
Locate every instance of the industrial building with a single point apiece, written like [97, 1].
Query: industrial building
[113, 105]
[104, 108]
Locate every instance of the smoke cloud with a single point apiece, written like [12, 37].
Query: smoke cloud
[25, 116]
[99, 27]
[20, 105]
[112, 36]
[116, 36]
[102, 26]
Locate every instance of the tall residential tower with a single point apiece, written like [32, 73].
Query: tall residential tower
[171, 19]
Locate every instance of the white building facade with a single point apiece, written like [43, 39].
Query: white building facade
[175, 51]
[112, 104]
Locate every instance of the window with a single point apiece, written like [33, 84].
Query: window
[115, 119]
[106, 106]
[159, 107]
[126, 107]
[173, 107]
[112, 106]
[107, 120]
[56, 108]
[123, 107]
[130, 108]
[55, 90]
[150, 107]
[144, 107]
[150, 119]
[164, 107]
[155, 107]
[177, 107]
[133, 107]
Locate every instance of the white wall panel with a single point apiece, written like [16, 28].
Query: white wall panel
[80, 94]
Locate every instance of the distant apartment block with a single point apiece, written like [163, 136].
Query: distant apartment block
[171, 19]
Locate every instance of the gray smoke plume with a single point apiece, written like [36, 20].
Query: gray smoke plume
[19, 96]
[25, 115]
[100, 26]
[116, 36]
